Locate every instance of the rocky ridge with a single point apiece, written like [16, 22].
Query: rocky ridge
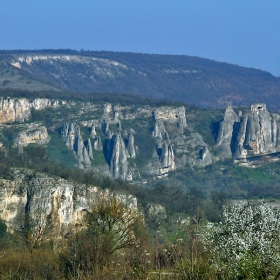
[134, 141]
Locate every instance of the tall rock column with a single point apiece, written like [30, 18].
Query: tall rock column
[256, 133]
[131, 146]
[167, 157]
[89, 148]
[225, 132]
[118, 162]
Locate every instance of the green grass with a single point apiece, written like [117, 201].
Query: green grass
[58, 150]
[206, 123]
[98, 158]
[85, 132]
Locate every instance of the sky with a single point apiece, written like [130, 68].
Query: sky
[243, 32]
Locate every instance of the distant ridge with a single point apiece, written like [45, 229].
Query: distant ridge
[203, 82]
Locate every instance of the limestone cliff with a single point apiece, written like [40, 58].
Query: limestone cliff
[224, 138]
[19, 110]
[34, 133]
[45, 199]
[256, 134]
[129, 141]
[14, 110]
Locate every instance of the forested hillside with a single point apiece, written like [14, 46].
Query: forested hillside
[191, 80]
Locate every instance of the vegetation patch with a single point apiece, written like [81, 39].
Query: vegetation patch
[58, 151]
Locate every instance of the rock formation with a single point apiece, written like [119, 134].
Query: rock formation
[45, 198]
[172, 115]
[71, 136]
[89, 148]
[97, 144]
[256, 134]
[158, 129]
[224, 138]
[93, 132]
[131, 146]
[19, 110]
[118, 163]
[32, 134]
[166, 159]
[14, 110]
[205, 156]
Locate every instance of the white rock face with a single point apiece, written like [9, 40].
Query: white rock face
[14, 110]
[64, 58]
[44, 198]
[172, 115]
[257, 134]
[225, 132]
[42, 103]
[19, 110]
[131, 146]
[33, 134]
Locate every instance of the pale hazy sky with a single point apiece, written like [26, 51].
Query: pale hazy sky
[243, 32]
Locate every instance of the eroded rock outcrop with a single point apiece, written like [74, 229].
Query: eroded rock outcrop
[19, 110]
[118, 163]
[256, 134]
[45, 199]
[166, 159]
[14, 110]
[131, 146]
[33, 134]
[159, 129]
[89, 148]
[224, 139]
[172, 115]
[71, 136]
[97, 144]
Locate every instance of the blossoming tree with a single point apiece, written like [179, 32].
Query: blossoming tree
[245, 243]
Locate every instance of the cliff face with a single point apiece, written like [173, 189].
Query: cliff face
[14, 110]
[43, 198]
[225, 132]
[33, 133]
[19, 110]
[257, 133]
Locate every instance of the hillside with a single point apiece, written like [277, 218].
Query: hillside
[187, 79]
[145, 142]
[78, 172]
